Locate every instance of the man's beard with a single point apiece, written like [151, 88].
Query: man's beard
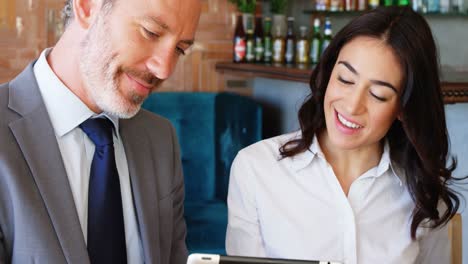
[101, 74]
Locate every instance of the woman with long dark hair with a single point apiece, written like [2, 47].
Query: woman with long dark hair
[365, 180]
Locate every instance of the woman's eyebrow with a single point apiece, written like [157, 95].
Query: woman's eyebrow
[348, 65]
[378, 82]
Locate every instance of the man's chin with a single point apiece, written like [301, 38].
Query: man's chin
[125, 107]
[124, 113]
[137, 100]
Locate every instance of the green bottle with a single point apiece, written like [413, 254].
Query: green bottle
[403, 2]
[250, 43]
[259, 38]
[290, 49]
[315, 43]
[327, 35]
[267, 41]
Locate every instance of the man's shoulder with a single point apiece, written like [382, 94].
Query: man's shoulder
[154, 124]
[151, 119]
[4, 90]
[157, 130]
[21, 92]
[4, 94]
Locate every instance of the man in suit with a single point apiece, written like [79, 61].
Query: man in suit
[61, 187]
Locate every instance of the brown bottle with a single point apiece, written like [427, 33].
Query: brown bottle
[259, 38]
[239, 46]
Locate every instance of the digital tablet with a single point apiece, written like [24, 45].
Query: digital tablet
[221, 259]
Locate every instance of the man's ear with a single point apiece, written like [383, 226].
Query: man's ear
[86, 11]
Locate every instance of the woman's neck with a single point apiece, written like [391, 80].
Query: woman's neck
[349, 164]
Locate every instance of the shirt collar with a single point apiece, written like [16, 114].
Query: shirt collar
[65, 109]
[302, 160]
[386, 163]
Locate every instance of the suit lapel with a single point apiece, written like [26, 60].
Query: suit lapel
[36, 138]
[144, 185]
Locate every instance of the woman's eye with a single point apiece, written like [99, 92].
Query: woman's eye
[344, 81]
[382, 99]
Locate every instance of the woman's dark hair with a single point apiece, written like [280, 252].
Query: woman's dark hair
[419, 142]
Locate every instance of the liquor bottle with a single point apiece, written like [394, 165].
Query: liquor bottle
[433, 6]
[258, 37]
[373, 4]
[327, 35]
[267, 41]
[278, 46]
[315, 43]
[250, 43]
[458, 6]
[336, 5]
[350, 5]
[239, 41]
[290, 42]
[444, 6]
[361, 5]
[322, 5]
[417, 5]
[302, 47]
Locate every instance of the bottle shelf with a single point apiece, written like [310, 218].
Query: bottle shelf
[357, 13]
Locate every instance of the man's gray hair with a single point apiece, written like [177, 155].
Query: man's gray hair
[67, 11]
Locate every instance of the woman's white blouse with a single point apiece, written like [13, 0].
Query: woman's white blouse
[296, 208]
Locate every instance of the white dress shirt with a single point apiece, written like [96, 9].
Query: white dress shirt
[296, 208]
[67, 112]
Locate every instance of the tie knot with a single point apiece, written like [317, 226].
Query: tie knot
[99, 130]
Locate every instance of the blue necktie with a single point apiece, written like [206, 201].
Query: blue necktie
[106, 231]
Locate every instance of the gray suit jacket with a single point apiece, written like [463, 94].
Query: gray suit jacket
[38, 219]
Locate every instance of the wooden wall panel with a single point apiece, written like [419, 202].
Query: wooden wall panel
[7, 11]
[26, 34]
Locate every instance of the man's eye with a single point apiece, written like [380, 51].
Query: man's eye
[344, 81]
[180, 51]
[149, 34]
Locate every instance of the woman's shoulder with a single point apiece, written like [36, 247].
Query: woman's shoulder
[269, 147]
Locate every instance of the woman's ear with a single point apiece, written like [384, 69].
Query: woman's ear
[85, 11]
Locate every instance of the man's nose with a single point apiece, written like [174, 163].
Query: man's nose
[162, 61]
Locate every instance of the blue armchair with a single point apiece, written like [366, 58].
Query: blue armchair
[212, 128]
